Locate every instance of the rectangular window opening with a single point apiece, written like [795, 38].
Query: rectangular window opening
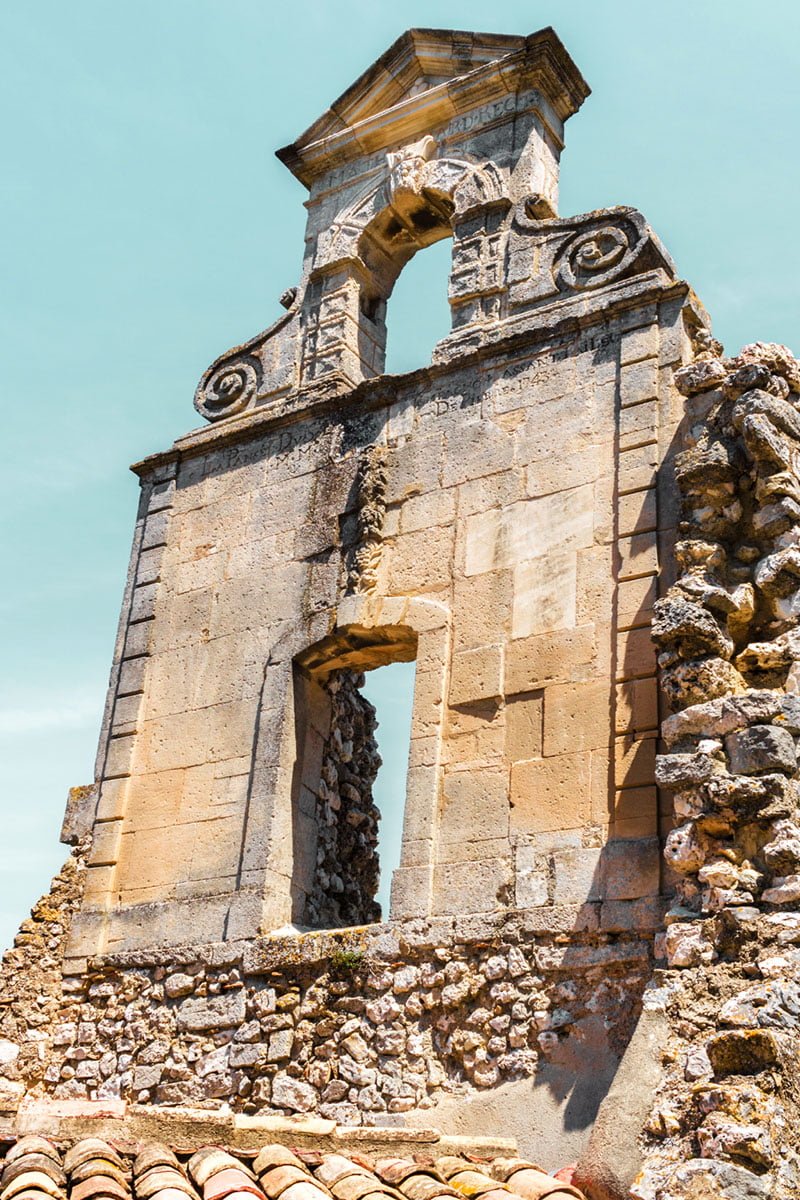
[353, 736]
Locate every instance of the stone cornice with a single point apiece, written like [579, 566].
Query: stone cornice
[560, 321]
[377, 111]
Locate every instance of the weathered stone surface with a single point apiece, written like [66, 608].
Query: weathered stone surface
[761, 749]
[700, 377]
[504, 517]
[212, 1012]
[717, 1180]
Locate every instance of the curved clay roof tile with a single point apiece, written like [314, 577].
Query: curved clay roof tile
[278, 1179]
[335, 1167]
[472, 1182]
[154, 1154]
[306, 1190]
[34, 1181]
[99, 1186]
[275, 1156]
[425, 1187]
[503, 1168]
[33, 1161]
[533, 1184]
[99, 1167]
[210, 1161]
[228, 1181]
[170, 1193]
[396, 1170]
[450, 1164]
[359, 1186]
[32, 1194]
[32, 1143]
[89, 1148]
[161, 1179]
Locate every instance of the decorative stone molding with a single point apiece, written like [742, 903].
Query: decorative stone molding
[371, 513]
[579, 254]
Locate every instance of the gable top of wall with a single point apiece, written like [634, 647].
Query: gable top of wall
[427, 77]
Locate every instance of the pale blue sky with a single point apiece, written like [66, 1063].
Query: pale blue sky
[147, 227]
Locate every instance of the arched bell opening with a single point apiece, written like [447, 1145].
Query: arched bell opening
[395, 235]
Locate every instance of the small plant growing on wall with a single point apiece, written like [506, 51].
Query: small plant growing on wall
[345, 962]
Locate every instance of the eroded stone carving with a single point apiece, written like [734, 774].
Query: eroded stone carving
[407, 167]
[553, 256]
[230, 388]
[371, 512]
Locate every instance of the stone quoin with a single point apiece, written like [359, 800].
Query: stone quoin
[581, 521]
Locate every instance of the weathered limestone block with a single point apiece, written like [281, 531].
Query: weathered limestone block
[760, 749]
[700, 376]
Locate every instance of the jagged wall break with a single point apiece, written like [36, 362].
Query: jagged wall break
[726, 1118]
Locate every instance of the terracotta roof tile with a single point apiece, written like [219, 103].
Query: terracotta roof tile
[91, 1150]
[32, 1181]
[134, 1168]
[154, 1154]
[275, 1156]
[33, 1161]
[530, 1181]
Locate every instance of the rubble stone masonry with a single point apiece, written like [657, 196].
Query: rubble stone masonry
[593, 936]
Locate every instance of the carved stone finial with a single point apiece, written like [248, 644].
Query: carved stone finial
[287, 298]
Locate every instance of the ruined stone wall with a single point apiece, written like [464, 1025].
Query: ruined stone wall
[370, 1027]
[30, 983]
[345, 820]
[725, 1118]
[521, 506]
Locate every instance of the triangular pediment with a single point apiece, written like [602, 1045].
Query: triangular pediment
[420, 61]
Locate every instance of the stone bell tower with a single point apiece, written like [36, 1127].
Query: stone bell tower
[493, 516]
[496, 516]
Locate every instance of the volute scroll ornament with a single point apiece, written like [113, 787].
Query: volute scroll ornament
[228, 389]
[596, 256]
[239, 376]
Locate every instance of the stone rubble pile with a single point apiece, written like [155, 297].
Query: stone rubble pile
[726, 1119]
[348, 867]
[30, 982]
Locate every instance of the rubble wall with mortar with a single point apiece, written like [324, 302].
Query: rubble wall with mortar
[361, 1027]
[31, 983]
[726, 1112]
[343, 831]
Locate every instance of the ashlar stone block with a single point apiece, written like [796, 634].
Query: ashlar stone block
[551, 793]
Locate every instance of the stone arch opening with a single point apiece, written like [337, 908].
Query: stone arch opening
[335, 821]
[419, 314]
[409, 223]
[421, 200]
